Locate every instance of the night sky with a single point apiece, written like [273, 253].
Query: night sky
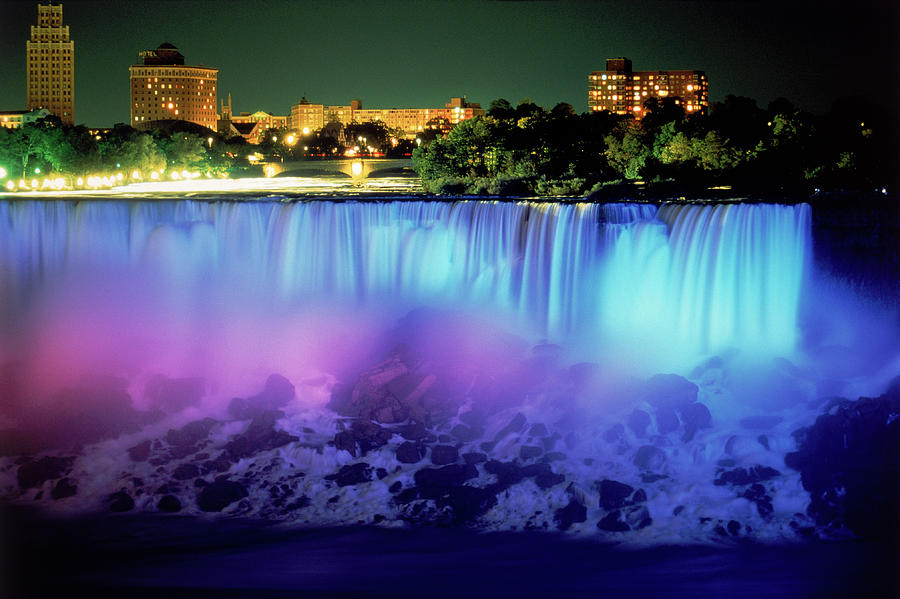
[417, 54]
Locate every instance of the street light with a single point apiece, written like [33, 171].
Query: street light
[209, 140]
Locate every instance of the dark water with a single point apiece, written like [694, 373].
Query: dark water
[184, 557]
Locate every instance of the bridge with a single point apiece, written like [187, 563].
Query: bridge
[355, 168]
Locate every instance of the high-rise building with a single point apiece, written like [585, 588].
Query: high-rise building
[163, 88]
[621, 90]
[50, 58]
[410, 121]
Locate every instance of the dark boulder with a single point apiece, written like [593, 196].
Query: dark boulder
[442, 455]
[186, 472]
[666, 420]
[670, 391]
[220, 494]
[695, 416]
[507, 473]
[410, 453]
[121, 501]
[33, 473]
[169, 504]
[140, 452]
[474, 457]
[530, 452]
[277, 393]
[414, 431]
[63, 488]
[613, 522]
[259, 436]
[345, 441]
[567, 516]
[352, 474]
[650, 458]
[190, 433]
[849, 460]
[516, 425]
[538, 430]
[746, 476]
[434, 483]
[468, 502]
[613, 494]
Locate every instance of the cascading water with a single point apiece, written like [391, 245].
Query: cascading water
[683, 280]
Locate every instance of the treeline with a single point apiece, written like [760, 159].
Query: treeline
[47, 146]
[527, 149]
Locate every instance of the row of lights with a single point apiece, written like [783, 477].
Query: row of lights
[94, 181]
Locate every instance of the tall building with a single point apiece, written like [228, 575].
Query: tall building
[410, 121]
[50, 57]
[163, 88]
[621, 90]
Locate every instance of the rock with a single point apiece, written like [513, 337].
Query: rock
[548, 480]
[530, 452]
[444, 454]
[370, 435]
[640, 496]
[638, 422]
[652, 478]
[637, 517]
[259, 436]
[414, 431]
[613, 494]
[395, 487]
[507, 473]
[572, 513]
[344, 441]
[848, 461]
[278, 392]
[220, 494]
[695, 416]
[613, 522]
[474, 457]
[544, 477]
[538, 430]
[650, 458]
[169, 504]
[406, 495]
[174, 395]
[434, 483]
[670, 391]
[516, 425]
[666, 420]
[352, 474]
[746, 476]
[121, 502]
[140, 452]
[33, 473]
[186, 472]
[465, 434]
[220, 464]
[734, 527]
[469, 502]
[554, 456]
[758, 495]
[764, 441]
[190, 433]
[410, 453]
[63, 488]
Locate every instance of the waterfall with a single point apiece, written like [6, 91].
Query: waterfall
[685, 278]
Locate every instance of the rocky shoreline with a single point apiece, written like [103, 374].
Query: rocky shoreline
[411, 443]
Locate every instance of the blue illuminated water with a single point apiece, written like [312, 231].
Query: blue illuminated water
[674, 281]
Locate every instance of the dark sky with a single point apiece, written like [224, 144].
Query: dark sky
[418, 54]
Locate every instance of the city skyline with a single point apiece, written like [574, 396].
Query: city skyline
[270, 54]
